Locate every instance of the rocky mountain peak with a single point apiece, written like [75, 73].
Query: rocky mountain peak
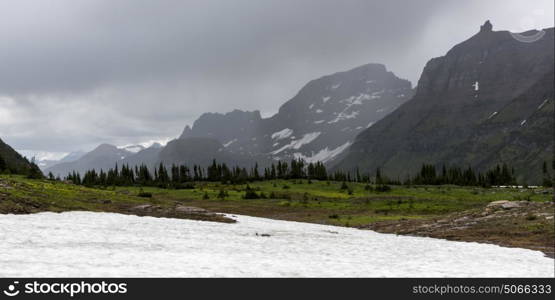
[316, 124]
[473, 107]
[487, 27]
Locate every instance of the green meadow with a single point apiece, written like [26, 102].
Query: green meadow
[324, 202]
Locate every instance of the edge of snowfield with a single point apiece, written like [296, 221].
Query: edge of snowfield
[87, 244]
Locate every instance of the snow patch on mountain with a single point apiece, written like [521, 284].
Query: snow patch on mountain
[543, 103]
[344, 116]
[323, 155]
[297, 144]
[230, 142]
[282, 134]
[376, 95]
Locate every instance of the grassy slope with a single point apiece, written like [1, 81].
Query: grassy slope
[21, 195]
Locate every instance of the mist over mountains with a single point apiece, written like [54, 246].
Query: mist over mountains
[318, 124]
[489, 100]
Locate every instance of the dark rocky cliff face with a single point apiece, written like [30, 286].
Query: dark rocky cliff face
[319, 123]
[488, 100]
[202, 151]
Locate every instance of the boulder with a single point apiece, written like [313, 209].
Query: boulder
[498, 203]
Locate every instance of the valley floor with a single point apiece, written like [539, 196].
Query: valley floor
[448, 212]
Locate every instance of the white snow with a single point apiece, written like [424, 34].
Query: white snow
[296, 144]
[319, 111]
[230, 142]
[401, 96]
[282, 134]
[86, 244]
[326, 99]
[492, 115]
[323, 155]
[132, 148]
[476, 86]
[369, 81]
[370, 124]
[523, 122]
[376, 95]
[355, 100]
[311, 106]
[319, 121]
[335, 86]
[344, 116]
[543, 103]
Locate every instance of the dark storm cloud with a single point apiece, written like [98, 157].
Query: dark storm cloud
[129, 71]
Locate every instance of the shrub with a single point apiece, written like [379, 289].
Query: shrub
[184, 186]
[383, 188]
[344, 186]
[250, 193]
[206, 196]
[222, 194]
[144, 194]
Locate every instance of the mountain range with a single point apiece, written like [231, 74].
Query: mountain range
[488, 100]
[319, 123]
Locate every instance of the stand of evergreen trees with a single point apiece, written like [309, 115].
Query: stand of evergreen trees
[182, 177]
[31, 170]
[428, 175]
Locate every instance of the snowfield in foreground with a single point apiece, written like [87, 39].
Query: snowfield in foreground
[85, 244]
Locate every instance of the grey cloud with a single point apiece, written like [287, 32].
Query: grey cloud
[85, 72]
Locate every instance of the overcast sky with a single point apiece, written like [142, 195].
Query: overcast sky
[74, 73]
